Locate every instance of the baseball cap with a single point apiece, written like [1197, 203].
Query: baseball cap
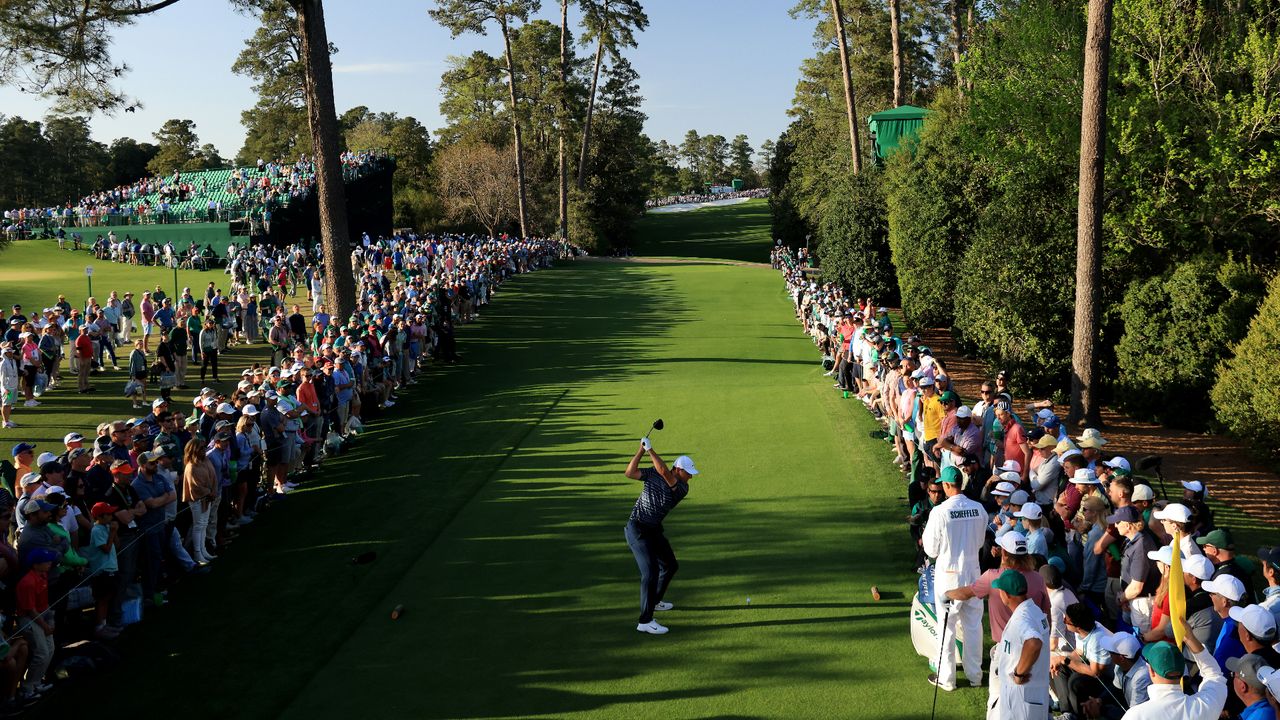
[1219, 538]
[1004, 488]
[1019, 497]
[122, 468]
[1143, 492]
[1013, 542]
[1177, 512]
[950, 475]
[1047, 441]
[963, 411]
[1193, 485]
[41, 555]
[1164, 659]
[45, 457]
[1117, 463]
[226, 409]
[37, 504]
[685, 463]
[1228, 586]
[1128, 513]
[249, 411]
[1030, 511]
[151, 456]
[1034, 435]
[53, 466]
[926, 381]
[77, 452]
[949, 396]
[1045, 414]
[1247, 667]
[100, 508]
[1163, 555]
[1198, 566]
[31, 479]
[155, 404]
[1052, 423]
[1064, 445]
[1084, 476]
[1256, 619]
[22, 447]
[1270, 555]
[72, 437]
[1011, 581]
[1010, 466]
[1271, 678]
[1121, 643]
[1011, 476]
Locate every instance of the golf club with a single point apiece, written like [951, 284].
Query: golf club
[657, 425]
[942, 646]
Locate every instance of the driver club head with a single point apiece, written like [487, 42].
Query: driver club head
[657, 424]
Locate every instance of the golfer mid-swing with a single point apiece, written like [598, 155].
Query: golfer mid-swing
[663, 488]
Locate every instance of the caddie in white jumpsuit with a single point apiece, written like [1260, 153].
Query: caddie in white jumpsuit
[1024, 654]
[953, 537]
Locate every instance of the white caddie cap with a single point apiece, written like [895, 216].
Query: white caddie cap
[1030, 511]
[964, 412]
[685, 463]
[1013, 542]
[1163, 555]
[45, 457]
[1194, 486]
[1010, 466]
[1121, 643]
[1118, 463]
[1143, 492]
[1256, 619]
[1198, 566]
[1177, 512]
[1011, 476]
[1228, 586]
[1004, 488]
[249, 411]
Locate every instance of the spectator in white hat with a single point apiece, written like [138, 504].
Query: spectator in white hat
[1129, 676]
[1257, 631]
[965, 437]
[1226, 592]
[1176, 518]
[1032, 518]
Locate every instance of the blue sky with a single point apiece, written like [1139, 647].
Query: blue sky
[717, 66]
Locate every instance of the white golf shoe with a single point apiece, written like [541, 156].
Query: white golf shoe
[663, 605]
[652, 627]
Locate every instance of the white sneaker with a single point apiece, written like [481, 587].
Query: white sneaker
[652, 627]
[291, 485]
[11, 424]
[663, 605]
[30, 403]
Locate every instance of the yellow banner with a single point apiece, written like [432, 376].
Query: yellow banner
[1177, 591]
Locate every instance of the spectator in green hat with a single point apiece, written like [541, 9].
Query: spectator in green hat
[1166, 698]
[1220, 547]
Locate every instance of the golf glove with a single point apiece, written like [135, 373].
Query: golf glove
[645, 444]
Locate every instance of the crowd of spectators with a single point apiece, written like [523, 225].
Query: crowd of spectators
[97, 529]
[1080, 559]
[251, 191]
[710, 197]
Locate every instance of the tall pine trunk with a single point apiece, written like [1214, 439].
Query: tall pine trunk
[591, 106]
[837, 17]
[957, 39]
[322, 119]
[515, 130]
[895, 18]
[1093, 147]
[564, 118]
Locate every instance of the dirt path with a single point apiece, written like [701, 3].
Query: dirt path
[1220, 463]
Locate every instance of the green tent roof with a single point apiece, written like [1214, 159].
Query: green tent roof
[891, 126]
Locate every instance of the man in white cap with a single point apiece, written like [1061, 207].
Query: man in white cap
[1129, 676]
[1201, 616]
[963, 437]
[664, 488]
[1257, 632]
[953, 537]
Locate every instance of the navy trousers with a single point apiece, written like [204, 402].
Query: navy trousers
[657, 564]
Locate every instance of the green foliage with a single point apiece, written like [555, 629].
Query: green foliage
[1178, 327]
[933, 191]
[853, 238]
[179, 150]
[1014, 298]
[1244, 396]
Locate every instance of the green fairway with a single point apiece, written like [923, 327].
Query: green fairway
[733, 232]
[495, 499]
[33, 273]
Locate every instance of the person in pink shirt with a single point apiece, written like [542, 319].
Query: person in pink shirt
[148, 310]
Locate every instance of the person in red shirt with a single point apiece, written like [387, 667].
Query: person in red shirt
[84, 358]
[35, 621]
